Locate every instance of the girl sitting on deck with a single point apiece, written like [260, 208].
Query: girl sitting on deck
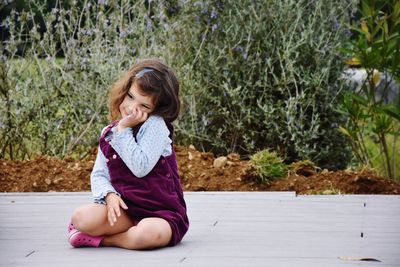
[138, 198]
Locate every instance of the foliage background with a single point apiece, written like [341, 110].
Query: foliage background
[254, 74]
[373, 108]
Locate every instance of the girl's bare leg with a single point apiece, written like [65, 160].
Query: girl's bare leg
[147, 234]
[92, 219]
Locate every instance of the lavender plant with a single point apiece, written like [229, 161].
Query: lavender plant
[254, 74]
[264, 74]
[57, 65]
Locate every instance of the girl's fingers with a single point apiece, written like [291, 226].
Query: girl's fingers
[134, 113]
[117, 211]
[137, 116]
[111, 215]
[123, 205]
[110, 220]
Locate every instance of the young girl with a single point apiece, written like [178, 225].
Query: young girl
[138, 199]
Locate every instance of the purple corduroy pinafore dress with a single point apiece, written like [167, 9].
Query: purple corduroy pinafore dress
[158, 194]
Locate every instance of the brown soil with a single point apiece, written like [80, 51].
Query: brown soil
[44, 174]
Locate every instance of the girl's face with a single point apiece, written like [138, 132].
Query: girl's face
[136, 99]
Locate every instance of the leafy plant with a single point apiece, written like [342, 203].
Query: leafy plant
[268, 165]
[263, 74]
[371, 116]
[57, 65]
[254, 74]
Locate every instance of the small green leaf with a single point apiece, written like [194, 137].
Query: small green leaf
[391, 111]
[344, 131]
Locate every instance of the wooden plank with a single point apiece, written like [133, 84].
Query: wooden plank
[227, 229]
[278, 262]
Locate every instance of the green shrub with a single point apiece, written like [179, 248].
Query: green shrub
[57, 66]
[254, 74]
[263, 74]
[374, 121]
[268, 165]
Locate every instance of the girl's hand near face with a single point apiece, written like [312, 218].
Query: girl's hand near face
[137, 116]
[114, 202]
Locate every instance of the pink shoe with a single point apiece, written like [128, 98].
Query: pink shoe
[78, 239]
[71, 228]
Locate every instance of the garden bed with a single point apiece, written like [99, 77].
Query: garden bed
[198, 173]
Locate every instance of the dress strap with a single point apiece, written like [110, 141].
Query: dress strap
[108, 128]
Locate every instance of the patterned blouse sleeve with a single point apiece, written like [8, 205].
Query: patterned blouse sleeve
[141, 154]
[100, 182]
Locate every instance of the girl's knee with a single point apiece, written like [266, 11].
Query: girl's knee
[151, 235]
[148, 236]
[84, 218]
[79, 219]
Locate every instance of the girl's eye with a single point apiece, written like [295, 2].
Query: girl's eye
[130, 96]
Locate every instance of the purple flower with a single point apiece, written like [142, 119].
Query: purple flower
[242, 51]
[214, 14]
[215, 27]
[102, 2]
[149, 25]
[130, 30]
[336, 25]
[245, 55]
[239, 49]
[122, 34]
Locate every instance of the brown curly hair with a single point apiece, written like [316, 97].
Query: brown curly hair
[161, 84]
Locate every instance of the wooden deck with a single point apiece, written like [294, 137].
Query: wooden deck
[227, 229]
